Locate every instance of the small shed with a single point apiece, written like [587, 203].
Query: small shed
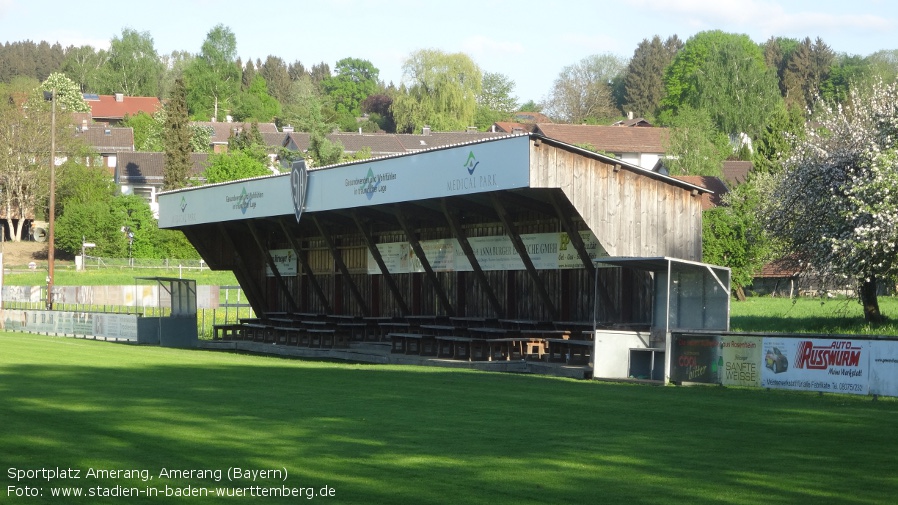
[178, 329]
[687, 295]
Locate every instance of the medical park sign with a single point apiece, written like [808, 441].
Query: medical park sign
[466, 169]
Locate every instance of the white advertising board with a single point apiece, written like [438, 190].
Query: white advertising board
[884, 367]
[547, 251]
[465, 169]
[824, 365]
[284, 261]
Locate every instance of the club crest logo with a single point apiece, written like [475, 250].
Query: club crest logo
[299, 180]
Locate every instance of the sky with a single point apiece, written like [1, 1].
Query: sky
[528, 41]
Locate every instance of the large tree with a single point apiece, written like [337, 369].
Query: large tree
[25, 142]
[694, 146]
[644, 77]
[806, 68]
[353, 81]
[132, 65]
[439, 90]
[496, 101]
[726, 75]
[213, 77]
[83, 65]
[583, 91]
[176, 139]
[835, 204]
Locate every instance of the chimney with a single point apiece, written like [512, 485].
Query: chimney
[287, 129]
[425, 130]
[120, 97]
[630, 115]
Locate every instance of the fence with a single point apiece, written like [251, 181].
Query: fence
[97, 262]
[230, 307]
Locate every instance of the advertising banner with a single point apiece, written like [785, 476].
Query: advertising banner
[825, 365]
[884, 367]
[741, 361]
[284, 260]
[695, 358]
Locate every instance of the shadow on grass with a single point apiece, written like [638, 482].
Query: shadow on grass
[388, 434]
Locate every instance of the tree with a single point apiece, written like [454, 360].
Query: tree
[176, 139]
[132, 65]
[806, 68]
[231, 166]
[213, 77]
[82, 65]
[439, 90]
[724, 74]
[379, 110]
[355, 79]
[583, 92]
[277, 77]
[644, 77]
[884, 65]
[835, 204]
[694, 145]
[25, 137]
[147, 132]
[255, 104]
[733, 235]
[68, 96]
[496, 101]
[847, 71]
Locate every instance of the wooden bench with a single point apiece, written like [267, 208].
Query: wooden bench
[287, 335]
[257, 332]
[413, 343]
[231, 331]
[574, 352]
[453, 347]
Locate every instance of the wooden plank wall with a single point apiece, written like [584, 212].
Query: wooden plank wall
[630, 213]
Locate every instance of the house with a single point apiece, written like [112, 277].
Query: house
[112, 109]
[631, 122]
[222, 131]
[141, 173]
[641, 146]
[388, 144]
[108, 141]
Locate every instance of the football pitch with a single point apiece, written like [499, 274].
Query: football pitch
[118, 423]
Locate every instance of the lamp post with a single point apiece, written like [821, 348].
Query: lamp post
[51, 248]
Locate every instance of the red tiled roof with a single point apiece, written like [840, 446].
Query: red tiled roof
[222, 131]
[735, 172]
[612, 139]
[783, 267]
[709, 200]
[107, 107]
[509, 127]
[531, 117]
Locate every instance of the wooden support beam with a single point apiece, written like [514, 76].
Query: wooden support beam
[245, 278]
[338, 259]
[306, 269]
[282, 284]
[568, 225]
[459, 233]
[419, 251]
[375, 252]
[522, 252]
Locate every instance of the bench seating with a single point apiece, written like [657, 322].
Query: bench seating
[574, 352]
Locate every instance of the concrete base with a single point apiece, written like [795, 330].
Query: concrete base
[379, 353]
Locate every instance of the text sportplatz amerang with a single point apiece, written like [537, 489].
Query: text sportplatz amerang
[246, 482]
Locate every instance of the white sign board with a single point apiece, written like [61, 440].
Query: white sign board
[825, 365]
[284, 261]
[466, 169]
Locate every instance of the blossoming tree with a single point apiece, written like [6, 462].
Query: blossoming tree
[835, 203]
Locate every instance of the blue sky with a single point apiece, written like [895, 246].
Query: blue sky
[529, 41]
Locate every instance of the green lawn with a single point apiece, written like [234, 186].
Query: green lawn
[811, 315]
[423, 435]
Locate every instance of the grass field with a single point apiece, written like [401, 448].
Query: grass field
[811, 315]
[421, 435]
